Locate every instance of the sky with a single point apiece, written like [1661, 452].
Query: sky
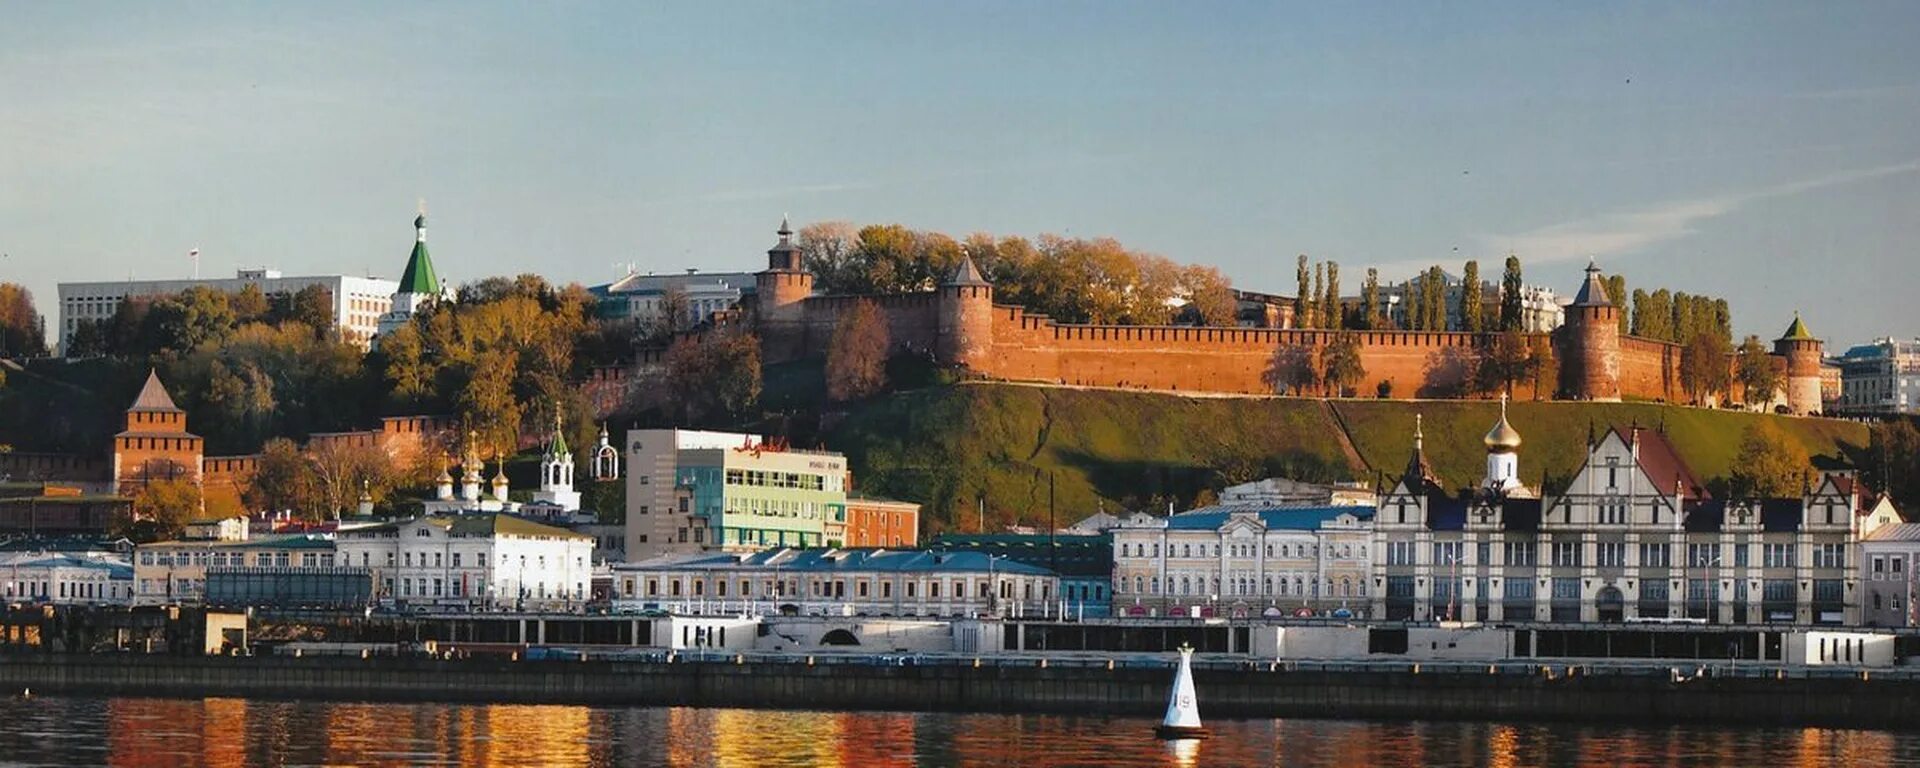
[1761, 152]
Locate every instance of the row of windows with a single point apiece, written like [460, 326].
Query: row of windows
[1282, 585]
[1283, 550]
[1613, 554]
[66, 590]
[765, 479]
[933, 589]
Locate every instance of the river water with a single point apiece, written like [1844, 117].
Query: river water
[163, 733]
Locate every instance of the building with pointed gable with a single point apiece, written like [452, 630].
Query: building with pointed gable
[1636, 536]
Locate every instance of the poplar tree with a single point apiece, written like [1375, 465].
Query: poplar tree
[1470, 297]
[1436, 301]
[1416, 318]
[1510, 316]
[1617, 293]
[1301, 299]
[1330, 306]
[1370, 300]
[1315, 308]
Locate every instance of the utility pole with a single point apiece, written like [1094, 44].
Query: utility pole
[1053, 549]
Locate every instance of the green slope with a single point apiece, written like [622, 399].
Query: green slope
[948, 447]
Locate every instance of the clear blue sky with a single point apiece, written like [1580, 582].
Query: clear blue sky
[1766, 152]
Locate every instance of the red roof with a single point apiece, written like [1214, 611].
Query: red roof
[1662, 463]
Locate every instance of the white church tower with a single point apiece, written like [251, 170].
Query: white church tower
[556, 472]
[1503, 456]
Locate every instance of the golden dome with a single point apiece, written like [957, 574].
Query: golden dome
[1503, 438]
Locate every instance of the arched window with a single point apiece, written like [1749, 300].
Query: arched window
[1186, 586]
[1139, 584]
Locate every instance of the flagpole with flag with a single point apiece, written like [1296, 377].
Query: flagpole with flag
[195, 255]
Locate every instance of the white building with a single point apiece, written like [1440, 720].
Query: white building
[1287, 492]
[1880, 378]
[838, 582]
[473, 561]
[358, 302]
[1243, 561]
[1636, 536]
[643, 298]
[66, 578]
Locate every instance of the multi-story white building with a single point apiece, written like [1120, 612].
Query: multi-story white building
[1243, 560]
[1889, 554]
[838, 582]
[1636, 536]
[1880, 378]
[695, 294]
[472, 561]
[358, 302]
[66, 578]
[689, 491]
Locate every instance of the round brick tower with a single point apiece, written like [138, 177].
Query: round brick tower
[780, 293]
[966, 318]
[1802, 352]
[1592, 343]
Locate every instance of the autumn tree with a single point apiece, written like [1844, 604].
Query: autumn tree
[713, 378]
[22, 332]
[1511, 317]
[1470, 297]
[1504, 362]
[1210, 295]
[1770, 464]
[1759, 380]
[1434, 302]
[165, 506]
[282, 481]
[1703, 366]
[1340, 367]
[1545, 368]
[342, 470]
[1617, 293]
[857, 353]
[1317, 308]
[1892, 465]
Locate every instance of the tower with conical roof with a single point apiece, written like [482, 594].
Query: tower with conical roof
[966, 317]
[780, 295]
[556, 471]
[156, 444]
[420, 285]
[1591, 342]
[1802, 353]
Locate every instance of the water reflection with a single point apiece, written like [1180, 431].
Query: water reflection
[135, 733]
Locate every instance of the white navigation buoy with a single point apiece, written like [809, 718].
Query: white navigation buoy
[1183, 711]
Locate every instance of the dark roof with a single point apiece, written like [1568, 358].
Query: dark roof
[1593, 293]
[966, 273]
[1662, 463]
[1274, 518]
[1780, 515]
[1446, 513]
[153, 396]
[847, 561]
[1069, 555]
[1520, 514]
[1704, 516]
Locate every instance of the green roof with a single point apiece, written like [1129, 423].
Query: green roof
[419, 276]
[1797, 331]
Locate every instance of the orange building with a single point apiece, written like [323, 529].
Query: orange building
[156, 444]
[877, 522]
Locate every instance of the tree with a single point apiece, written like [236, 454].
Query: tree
[1504, 362]
[1370, 301]
[857, 353]
[1317, 308]
[1211, 296]
[176, 324]
[1414, 317]
[1546, 370]
[1511, 318]
[1759, 380]
[1302, 299]
[1770, 464]
[22, 332]
[312, 307]
[342, 470]
[1331, 313]
[250, 305]
[1892, 465]
[1703, 366]
[1435, 300]
[487, 403]
[1637, 324]
[282, 481]
[166, 505]
[1617, 293]
[716, 377]
[1470, 297]
[1340, 366]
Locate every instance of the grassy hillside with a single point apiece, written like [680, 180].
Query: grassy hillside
[950, 446]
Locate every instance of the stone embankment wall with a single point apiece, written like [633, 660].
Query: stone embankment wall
[1260, 689]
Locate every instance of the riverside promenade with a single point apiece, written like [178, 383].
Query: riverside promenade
[1232, 688]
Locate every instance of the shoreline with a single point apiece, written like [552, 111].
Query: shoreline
[1255, 692]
